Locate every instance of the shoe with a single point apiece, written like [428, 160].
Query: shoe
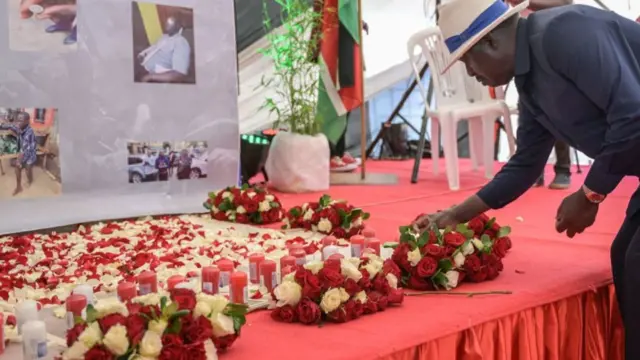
[561, 182]
[59, 27]
[539, 182]
[337, 165]
[348, 159]
[72, 38]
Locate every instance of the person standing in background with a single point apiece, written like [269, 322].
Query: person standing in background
[184, 165]
[562, 169]
[162, 165]
[28, 149]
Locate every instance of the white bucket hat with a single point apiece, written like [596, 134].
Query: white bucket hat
[464, 22]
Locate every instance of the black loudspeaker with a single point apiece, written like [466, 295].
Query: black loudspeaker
[254, 150]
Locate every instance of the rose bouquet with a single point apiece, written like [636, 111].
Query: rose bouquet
[337, 218]
[337, 291]
[245, 205]
[443, 258]
[188, 326]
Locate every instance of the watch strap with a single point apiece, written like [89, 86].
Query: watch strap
[593, 196]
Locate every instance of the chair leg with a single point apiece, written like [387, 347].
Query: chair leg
[435, 145]
[450, 144]
[488, 134]
[420, 151]
[508, 127]
[475, 143]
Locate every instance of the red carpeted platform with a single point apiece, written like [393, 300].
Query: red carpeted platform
[562, 306]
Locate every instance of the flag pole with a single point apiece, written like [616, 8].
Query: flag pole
[363, 108]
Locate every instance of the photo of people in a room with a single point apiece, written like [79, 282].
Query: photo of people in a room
[164, 161]
[42, 25]
[29, 154]
[163, 44]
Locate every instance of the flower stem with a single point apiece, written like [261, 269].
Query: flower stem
[467, 293]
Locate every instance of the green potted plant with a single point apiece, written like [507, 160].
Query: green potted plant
[298, 158]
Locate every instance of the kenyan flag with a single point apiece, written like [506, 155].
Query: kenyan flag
[340, 84]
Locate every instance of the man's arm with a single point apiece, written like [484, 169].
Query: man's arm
[597, 58]
[180, 62]
[518, 175]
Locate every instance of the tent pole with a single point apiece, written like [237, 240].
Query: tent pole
[363, 108]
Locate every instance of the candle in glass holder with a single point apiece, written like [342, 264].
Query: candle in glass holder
[334, 260]
[254, 267]
[26, 311]
[34, 340]
[268, 276]
[210, 280]
[328, 251]
[75, 304]
[226, 268]
[294, 247]
[357, 245]
[374, 244]
[301, 256]
[147, 283]
[239, 288]
[287, 260]
[174, 280]
[126, 291]
[87, 291]
[286, 271]
[329, 240]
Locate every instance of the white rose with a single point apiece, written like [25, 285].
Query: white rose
[116, 341]
[414, 257]
[331, 300]
[458, 259]
[361, 296]
[91, 335]
[355, 261]
[452, 279]
[344, 295]
[217, 302]
[158, 326]
[227, 195]
[350, 271]
[357, 222]
[222, 325]
[251, 194]
[314, 266]
[392, 280]
[241, 210]
[308, 215]
[270, 197]
[467, 248]
[110, 306]
[202, 309]
[373, 268]
[324, 225]
[150, 299]
[478, 244]
[290, 277]
[288, 293]
[151, 344]
[75, 352]
[264, 206]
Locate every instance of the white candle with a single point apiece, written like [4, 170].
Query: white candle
[86, 291]
[26, 311]
[34, 340]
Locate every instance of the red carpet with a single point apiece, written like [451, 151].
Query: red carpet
[542, 268]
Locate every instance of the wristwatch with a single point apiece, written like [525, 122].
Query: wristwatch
[593, 196]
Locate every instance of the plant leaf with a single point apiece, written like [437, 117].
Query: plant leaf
[504, 231]
[92, 314]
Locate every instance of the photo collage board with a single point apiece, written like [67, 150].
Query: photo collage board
[114, 109]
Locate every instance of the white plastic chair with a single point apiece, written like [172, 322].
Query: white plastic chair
[458, 97]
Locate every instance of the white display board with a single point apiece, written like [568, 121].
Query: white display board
[118, 108]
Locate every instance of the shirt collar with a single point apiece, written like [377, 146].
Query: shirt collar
[523, 61]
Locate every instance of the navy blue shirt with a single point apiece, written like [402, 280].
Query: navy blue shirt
[578, 78]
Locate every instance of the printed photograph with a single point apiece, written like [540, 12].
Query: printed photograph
[163, 44]
[164, 161]
[29, 153]
[42, 25]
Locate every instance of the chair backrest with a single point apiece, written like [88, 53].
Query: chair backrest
[450, 88]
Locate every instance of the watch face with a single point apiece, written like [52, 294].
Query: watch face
[36, 9]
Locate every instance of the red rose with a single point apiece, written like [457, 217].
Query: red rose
[284, 313]
[74, 333]
[365, 281]
[381, 284]
[242, 218]
[172, 340]
[330, 278]
[380, 300]
[454, 239]
[418, 283]
[434, 250]
[353, 309]
[395, 296]
[151, 311]
[492, 272]
[185, 298]
[173, 352]
[400, 256]
[449, 250]
[339, 233]
[478, 276]
[310, 283]
[477, 226]
[370, 307]
[133, 308]
[196, 352]
[472, 263]
[338, 315]
[136, 325]
[223, 343]
[98, 352]
[426, 267]
[197, 330]
[110, 320]
[308, 312]
[11, 320]
[390, 267]
[499, 248]
[351, 287]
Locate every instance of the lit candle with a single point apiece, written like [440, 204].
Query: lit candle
[86, 290]
[374, 244]
[357, 245]
[75, 304]
[268, 276]
[238, 288]
[254, 267]
[301, 256]
[174, 280]
[286, 271]
[126, 291]
[334, 261]
[147, 283]
[226, 268]
[329, 240]
[210, 280]
[34, 340]
[26, 311]
[328, 251]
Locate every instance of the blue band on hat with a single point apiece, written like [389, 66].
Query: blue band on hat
[487, 17]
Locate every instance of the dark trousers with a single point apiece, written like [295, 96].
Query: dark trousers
[339, 147]
[625, 264]
[563, 158]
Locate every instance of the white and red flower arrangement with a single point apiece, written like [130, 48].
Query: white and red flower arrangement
[337, 218]
[442, 259]
[189, 326]
[337, 291]
[245, 205]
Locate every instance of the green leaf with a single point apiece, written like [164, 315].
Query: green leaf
[461, 228]
[469, 234]
[245, 187]
[224, 206]
[92, 314]
[206, 205]
[504, 231]
[423, 239]
[179, 314]
[78, 320]
[163, 303]
[174, 327]
[294, 212]
[390, 245]
[274, 205]
[366, 216]
[236, 309]
[439, 280]
[405, 229]
[448, 229]
[238, 321]
[145, 316]
[170, 310]
[154, 313]
[407, 238]
[325, 200]
[489, 224]
[445, 265]
[356, 212]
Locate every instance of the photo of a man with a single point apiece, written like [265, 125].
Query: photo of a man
[166, 161]
[163, 44]
[42, 25]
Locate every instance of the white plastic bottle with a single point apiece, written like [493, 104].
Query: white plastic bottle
[26, 311]
[34, 340]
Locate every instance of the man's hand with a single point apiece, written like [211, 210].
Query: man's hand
[147, 78]
[25, 12]
[575, 214]
[441, 219]
[57, 10]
